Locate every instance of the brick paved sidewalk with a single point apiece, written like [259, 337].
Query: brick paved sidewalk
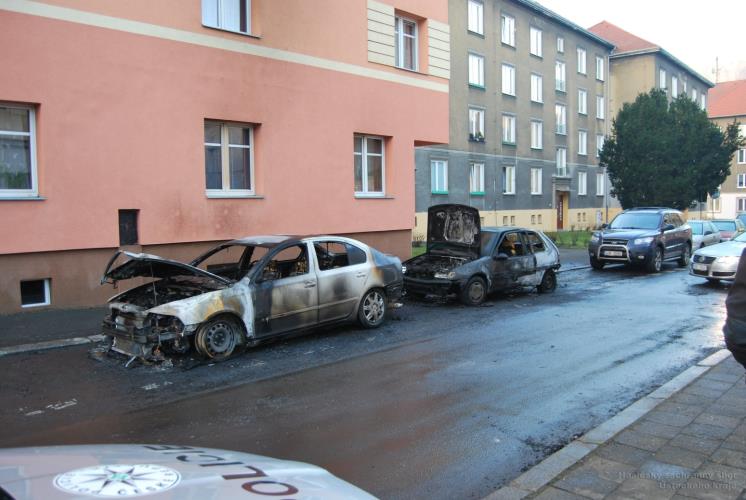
[692, 445]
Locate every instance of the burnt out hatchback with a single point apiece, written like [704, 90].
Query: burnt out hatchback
[246, 291]
[469, 261]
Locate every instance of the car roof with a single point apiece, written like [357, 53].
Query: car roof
[502, 229]
[271, 241]
[652, 209]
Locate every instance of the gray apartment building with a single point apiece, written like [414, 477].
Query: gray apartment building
[529, 100]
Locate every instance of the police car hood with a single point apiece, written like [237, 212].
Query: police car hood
[161, 472]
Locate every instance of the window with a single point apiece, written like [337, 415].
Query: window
[335, 254]
[535, 241]
[289, 262]
[535, 34]
[582, 102]
[509, 180]
[439, 176]
[741, 204]
[703, 101]
[600, 111]
[536, 90]
[476, 124]
[507, 30]
[505, 220]
[229, 15]
[560, 45]
[582, 183]
[128, 227]
[35, 293]
[508, 79]
[536, 134]
[662, 81]
[560, 113]
[560, 80]
[674, 87]
[535, 181]
[599, 184]
[370, 165]
[476, 178]
[581, 61]
[599, 68]
[476, 70]
[713, 204]
[742, 156]
[562, 162]
[582, 142]
[405, 35]
[533, 219]
[476, 17]
[600, 139]
[509, 129]
[17, 151]
[741, 181]
[512, 220]
[539, 218]
[229, 159]
[694, 95]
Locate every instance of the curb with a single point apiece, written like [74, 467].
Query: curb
[547, 470]
[51, 344]
[578, 268]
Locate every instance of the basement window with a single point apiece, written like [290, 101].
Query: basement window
[128, 227]
[35, 293]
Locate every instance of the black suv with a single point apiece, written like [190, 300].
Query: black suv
[646, 236]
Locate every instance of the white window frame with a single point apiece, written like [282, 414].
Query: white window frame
[399, 36]
[476, 178]
[600, 184]
[537, 90]
[476, 63]
[582, 183]
[703, 101]
[674, 87]
[33, 191]
[694, 94]
[600, 68]
[741, 181]
[536, 38]
[508, 136]
[476, 124]
[475, 15]
[600, 107]
[560, 76]
[662, 79]
[508, 179]
[366, 193]
[582, 101]
[582, 60]
[221, 21]
[741, 204]
[536, 181]
[741, 156]
[508, 79]
[560, 115]
[600, 139]
[225, 147]
[537, 134]
[560, 45]
[561, 161]
[47, 294]
[582, 142]
[507, 29]
[438, 168]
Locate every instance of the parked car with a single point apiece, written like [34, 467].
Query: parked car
[246, 291]
[704, 233]
[645, 236]
[161, 471]
[729, 228]
[718, 262]
[464, 259]
[742, 218]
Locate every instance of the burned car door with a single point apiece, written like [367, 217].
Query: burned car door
[342, 274]
[513, 262]
[286, 292]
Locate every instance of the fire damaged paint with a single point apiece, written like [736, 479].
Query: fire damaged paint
[279, 285]
[506, 258]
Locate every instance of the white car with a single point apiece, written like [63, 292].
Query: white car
[718, 262]
[704, 233]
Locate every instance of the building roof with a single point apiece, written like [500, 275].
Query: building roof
[540, 9]
[727, 99]
[627, 44]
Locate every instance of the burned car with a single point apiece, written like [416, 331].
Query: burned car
[464, 259]
[245, 291]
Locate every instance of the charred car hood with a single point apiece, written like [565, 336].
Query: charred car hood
[152, 266]
[453, 230]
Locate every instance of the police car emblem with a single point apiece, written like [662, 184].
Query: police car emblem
[119, 480]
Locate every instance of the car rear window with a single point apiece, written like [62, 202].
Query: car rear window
[725, 225]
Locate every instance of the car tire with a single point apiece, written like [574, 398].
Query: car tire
[685, 256]
[372, 309]
[655, 263]
[217, 338]
[597, 264]
[475, 291]
[548, 282]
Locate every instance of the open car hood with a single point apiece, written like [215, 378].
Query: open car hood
[453, 228]
[152, 266]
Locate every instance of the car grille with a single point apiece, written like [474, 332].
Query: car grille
[702, 259]
[699, 273]
[719, 274]
[615, 241]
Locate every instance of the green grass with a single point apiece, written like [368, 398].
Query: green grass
[570, 239]
[418, 250]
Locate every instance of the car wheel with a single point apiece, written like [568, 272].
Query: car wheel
[684, 259]
[217, 338]
[655, 262]
[548, 282]
[597, 264]
[474, 292]
[372, 309]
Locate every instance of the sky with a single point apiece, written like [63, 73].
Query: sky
[694, 32]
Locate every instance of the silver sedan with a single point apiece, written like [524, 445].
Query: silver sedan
[704, 233]
[718, 262]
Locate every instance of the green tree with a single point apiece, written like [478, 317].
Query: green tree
[666, 154]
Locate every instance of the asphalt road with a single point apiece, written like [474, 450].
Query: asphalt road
[442, 402]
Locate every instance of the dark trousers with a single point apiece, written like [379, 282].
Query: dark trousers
[738, 351]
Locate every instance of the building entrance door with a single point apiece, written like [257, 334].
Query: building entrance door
[561, 200]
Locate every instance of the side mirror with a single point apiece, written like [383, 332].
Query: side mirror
[500, 256]
[604, 225]
[708, 233]
[668, 227]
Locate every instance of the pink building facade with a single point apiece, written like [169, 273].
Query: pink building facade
[169, 126]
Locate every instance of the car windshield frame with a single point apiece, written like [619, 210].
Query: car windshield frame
[732, 224]
[636, 220]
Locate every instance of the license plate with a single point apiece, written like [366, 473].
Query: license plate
[699, 267]
[613, 253]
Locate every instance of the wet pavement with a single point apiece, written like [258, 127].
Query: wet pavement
[442, 402]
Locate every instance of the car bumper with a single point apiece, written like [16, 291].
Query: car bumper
[420, 286]
[620, 254]
[713, 270]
